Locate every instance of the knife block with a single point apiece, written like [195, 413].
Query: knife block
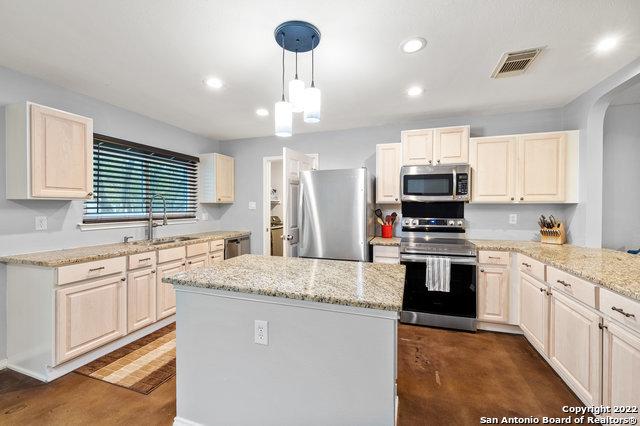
[557, 235]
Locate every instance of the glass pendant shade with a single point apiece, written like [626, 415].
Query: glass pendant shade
[311, 105]
[283, 119]
[296, 95]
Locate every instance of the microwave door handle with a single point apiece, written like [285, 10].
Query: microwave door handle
[455, 184]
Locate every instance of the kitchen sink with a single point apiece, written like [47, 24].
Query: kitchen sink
[159, 241]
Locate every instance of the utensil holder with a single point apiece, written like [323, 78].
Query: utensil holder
[557, 235]
[387, 231]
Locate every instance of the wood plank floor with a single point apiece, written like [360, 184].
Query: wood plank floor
[444, 377]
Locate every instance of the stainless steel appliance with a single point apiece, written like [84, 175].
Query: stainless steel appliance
[335, 214]
[236, 247]
[441, 236]
[450, 182]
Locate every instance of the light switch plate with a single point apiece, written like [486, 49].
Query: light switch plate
[41, 223]
[261, 332]
[513, 219]
[252, 205]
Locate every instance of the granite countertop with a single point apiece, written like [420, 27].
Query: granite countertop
[615, 270]
[365, 285]
[379, 241]
[55, 258]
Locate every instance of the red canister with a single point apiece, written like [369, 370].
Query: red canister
[387, 231]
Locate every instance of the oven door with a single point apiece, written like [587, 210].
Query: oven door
[460, 301]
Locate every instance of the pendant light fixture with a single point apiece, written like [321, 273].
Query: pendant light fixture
[312, 94]
[297, 37]
[296, 91]
[283, 111]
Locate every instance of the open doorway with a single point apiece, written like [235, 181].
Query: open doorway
[272, 204]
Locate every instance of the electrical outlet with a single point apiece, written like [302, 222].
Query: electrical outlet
[252, 205]
[261, 332]
[513, 219]
[41, 223]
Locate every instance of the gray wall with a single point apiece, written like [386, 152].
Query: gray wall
[621, 195]
[356, 147]
[17, 218]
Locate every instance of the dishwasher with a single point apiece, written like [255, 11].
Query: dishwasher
[236, 247]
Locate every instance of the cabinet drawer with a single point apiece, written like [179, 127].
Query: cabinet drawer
[620, 308]
[197, 249]
[167, 255]
[580, 289]
[386, 251]
[141, 260]
[216, 245]
[216, 257]
[494, 257]
[84, 271]
[531, 266]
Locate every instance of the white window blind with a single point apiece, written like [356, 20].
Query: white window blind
[127, 174]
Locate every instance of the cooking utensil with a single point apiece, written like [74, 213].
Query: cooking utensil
[394, 215]
[388, 219]
[379, 214]
[379, 221]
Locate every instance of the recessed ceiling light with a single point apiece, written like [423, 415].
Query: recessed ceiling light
[415, 91]
[606, 44]
[413, 45]
[214, 82]
[262, 112]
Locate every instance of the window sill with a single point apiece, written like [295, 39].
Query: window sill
[132, 224]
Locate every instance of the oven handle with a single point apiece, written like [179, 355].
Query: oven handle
[423, 259]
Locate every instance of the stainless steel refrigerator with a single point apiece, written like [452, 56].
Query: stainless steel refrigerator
[335, 214]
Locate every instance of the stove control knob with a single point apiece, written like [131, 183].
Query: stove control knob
[414, 222]
[460, 223]
[452, 222]
[407, 222]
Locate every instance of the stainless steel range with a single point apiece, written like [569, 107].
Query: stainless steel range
[440, 285]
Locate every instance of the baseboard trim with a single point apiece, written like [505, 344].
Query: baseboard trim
[179, 421]
[3, 364]
[500, 328]
[27, 372]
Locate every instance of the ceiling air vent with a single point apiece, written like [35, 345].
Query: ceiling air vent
[514, 63]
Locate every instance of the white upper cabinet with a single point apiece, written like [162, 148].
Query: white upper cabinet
[451, 145]
[542, 167]
[417, 147]
[493, 162]
[49, 153]
[217, 179]
[388, 173]
[528, 168]
[443, 145]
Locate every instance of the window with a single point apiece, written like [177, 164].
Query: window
[126, 175]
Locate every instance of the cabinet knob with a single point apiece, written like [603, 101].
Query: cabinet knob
[189, 262]
[513, 198]
[183, 263]
[481, 270]
[430, 161]
[541, 290]
[521, 198]
[123, 279]
[153, 271]
[396, 199]
[438, 161]
[89, 194]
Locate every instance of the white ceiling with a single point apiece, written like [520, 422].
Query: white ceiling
[150, 56]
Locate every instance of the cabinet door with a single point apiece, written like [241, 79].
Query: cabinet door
[574, 346]
[493, 165]
[493, 294]
[61, 154]
[388, 173]
[534, 312]
[89, 315]
[197, 262]
[165, 294]
[621, 375]
[541, 167]
[451, 145]
[141, 298]
[225, 181]
[417, 147]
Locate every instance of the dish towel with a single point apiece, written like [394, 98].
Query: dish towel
[438, 273]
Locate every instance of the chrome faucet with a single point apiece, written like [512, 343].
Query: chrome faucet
[152, 224]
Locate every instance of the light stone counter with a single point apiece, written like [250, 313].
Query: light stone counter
[617, 271]
[55, 258]
[366, 285]
[379, 241]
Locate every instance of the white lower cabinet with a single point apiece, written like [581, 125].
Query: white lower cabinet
[386, 254]
[493, 294]
[165, 294]
[621, 368]
[197, 262]
[574, 346]
[534, 312]
[141, 298]
[89, 315]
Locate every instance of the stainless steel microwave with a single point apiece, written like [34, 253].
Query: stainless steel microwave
[451, 182]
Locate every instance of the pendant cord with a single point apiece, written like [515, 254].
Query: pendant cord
[282, 67]
[296, 64]
[312, 63]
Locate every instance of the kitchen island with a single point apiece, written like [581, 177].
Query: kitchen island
[287, 341]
